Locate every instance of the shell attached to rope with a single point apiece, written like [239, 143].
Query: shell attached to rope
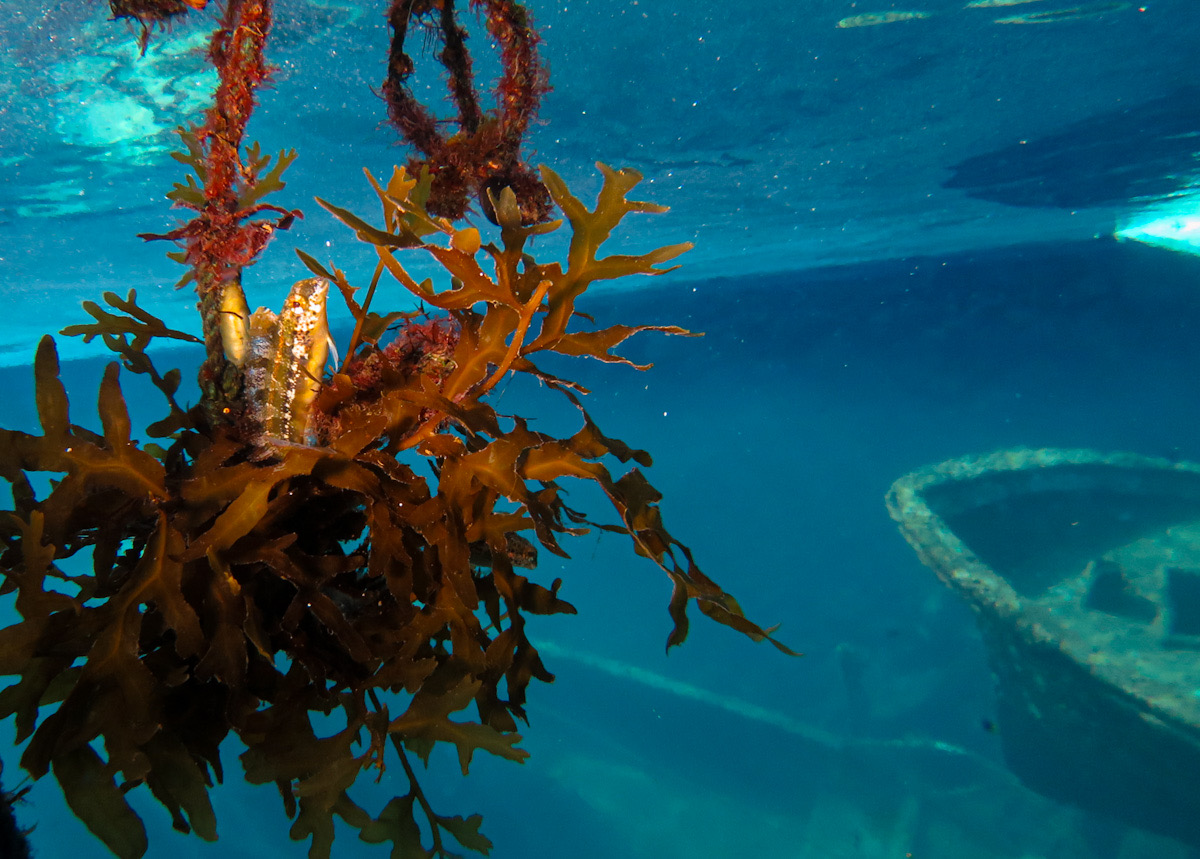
[282, 357]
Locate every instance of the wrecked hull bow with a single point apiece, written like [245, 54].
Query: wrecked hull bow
[1083, 570]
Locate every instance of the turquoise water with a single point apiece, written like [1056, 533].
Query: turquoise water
[905, 253]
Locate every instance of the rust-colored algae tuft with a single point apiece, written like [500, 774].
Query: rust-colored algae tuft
[483, 155]
[359, 556]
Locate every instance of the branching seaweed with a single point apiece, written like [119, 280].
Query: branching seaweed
[240, 584]
[306, 542]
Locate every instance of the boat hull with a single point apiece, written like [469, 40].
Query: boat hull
[1083, 570]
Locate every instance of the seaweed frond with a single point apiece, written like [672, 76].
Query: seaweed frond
[240, 583]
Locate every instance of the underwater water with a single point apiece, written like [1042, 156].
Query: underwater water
[905, 252]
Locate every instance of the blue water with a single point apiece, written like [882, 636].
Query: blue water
[905, 254]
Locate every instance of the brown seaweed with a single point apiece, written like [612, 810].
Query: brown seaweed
[228, 583]
[305, 542]
[151, 13]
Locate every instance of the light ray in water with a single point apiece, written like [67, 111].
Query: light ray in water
[1175, 226]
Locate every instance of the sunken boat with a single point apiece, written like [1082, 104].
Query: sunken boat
[1083, 570]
